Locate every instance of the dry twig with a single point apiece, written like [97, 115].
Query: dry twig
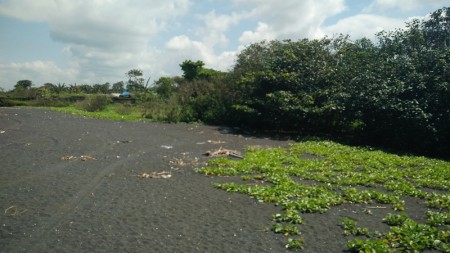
[162, 174]
[82, 158]
[224, 152]
[215, 142]
[14, 210]
[87, 157]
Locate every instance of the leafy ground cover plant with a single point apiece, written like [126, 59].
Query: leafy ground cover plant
[314, 176]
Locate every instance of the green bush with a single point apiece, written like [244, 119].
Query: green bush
[392, 93]
[124, 109]
[94, 103]
[50, 102]
[6, 102]
[163, 110]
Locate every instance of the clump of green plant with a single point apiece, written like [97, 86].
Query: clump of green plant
[345, 174]
[50, 102]
[285, 230]
[295, 244]
[438, 218]
[395, 219]
[290, 215]
[163, 110]
[371, 245]
[350, 228]
[439, 201]
[94, 103]
[411, 236]
[124, 109]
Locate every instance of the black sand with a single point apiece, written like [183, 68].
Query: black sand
[49, 204]
[102, 205]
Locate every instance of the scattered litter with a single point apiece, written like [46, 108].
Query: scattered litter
[186, 160]
[68, 157]
[123, 141]
[224, 152]
[201, 143]
[2, 132]
[162, 174]
[216, 142]
[376, 207]
[166, 147]
[14, 210]
[82, 158]
[87, 157]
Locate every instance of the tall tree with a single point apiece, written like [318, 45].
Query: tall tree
[23, 85]
[437, 28]
[135, 80]
[191, 70]
[118, 87]
[165, 86]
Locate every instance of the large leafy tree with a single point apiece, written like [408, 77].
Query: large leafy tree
[191, 69]
[118, 86]
[195, 71]
[135, 80]
[284, 83]
[165, 87]
[395, 92]
[23, 85]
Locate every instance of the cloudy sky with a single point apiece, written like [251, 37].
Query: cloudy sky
[98, 41]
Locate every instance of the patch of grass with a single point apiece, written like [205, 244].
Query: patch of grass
[94, 103]
[109, 112]
[344, 174]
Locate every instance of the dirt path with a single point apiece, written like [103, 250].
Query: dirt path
[101, 205]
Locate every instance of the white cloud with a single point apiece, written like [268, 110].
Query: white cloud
[290, 18]
[263, 32]
[39, 72]
[212, 37]
[182, 42]
[404, 5]
[103, 38]
[213, 33]
[183, 48]
[362, 25]
[35, 10]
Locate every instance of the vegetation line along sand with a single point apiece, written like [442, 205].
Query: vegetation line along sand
[333, 175]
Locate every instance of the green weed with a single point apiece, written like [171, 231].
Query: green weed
[333, 174]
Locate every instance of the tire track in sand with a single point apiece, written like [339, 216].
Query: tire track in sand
[42, 236]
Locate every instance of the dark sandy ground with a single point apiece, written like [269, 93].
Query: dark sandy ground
[102, 206]
[54, 205]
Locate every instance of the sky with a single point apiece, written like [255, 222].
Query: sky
[98, 41]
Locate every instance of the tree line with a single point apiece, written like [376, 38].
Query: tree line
[393, 92]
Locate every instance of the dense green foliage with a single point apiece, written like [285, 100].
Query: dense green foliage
[315, 176]
[393, 92]
[94, 103]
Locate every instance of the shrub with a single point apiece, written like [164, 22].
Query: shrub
[163, 110]
[5, 102]
[94, 103]
[124, 109]
[50, 102]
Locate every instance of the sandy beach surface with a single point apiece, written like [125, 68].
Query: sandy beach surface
[73, 184]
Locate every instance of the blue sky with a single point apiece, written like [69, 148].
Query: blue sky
[98, 41]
